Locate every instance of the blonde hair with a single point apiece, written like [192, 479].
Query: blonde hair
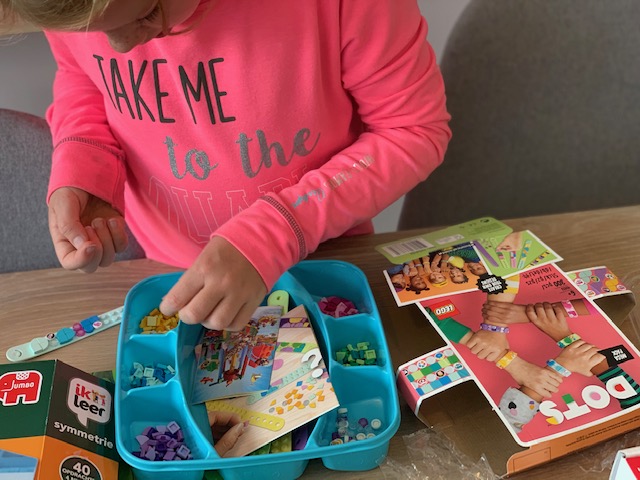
[435, 283]
[55, 14]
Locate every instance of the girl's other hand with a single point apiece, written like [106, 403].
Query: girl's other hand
[226, 428]
[221, 289]
[86, 231]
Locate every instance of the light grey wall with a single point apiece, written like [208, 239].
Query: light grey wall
[26, 73]
[440, 15]
[27, 70]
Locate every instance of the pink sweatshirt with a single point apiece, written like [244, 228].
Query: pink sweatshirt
[274, 124]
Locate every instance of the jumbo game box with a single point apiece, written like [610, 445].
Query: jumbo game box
[58, 417]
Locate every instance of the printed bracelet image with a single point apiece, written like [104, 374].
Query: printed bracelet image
[494, 328]
[568, 340]
[568, 307]
[558, 368]
[506, 359]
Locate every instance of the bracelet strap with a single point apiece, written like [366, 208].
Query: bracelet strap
[558, 368]
[494, 328]
[506, 359]
[568, 340]
[568, 307]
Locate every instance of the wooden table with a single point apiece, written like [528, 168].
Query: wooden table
[34, 303]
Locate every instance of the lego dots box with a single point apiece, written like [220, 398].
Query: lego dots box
[59, 416]
[458, 392]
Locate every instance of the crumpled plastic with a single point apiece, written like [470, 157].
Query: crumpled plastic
[337, 306]
[434, 457]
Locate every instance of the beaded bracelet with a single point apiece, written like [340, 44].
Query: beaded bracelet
[568, 307]
[558, 368]
[568, 340]
[494, 328]
[506, 359]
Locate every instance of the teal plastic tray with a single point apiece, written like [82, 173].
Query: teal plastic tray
[367, 391]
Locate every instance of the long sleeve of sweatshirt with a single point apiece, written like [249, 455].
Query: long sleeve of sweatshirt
[274, 126]
[83, 141]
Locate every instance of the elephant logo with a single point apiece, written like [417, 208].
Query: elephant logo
[23, 386]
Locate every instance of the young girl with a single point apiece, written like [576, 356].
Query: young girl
[233, 135]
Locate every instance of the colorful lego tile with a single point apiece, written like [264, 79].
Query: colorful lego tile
[444, 362]
[436, 384]
[454, 376]
[435, 368]
[427, 388]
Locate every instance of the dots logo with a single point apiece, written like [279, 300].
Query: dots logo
[89, 401]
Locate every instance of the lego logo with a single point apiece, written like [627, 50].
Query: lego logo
[444, 309]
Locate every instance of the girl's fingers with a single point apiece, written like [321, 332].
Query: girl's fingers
[104, 236]
[118, 233]
[180, 298]
[93, 253]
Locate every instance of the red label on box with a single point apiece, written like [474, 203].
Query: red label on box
[444, 309]
[634, 465]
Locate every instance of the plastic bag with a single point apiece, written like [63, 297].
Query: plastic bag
[434, 457]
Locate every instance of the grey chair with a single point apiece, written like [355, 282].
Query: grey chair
[25, 163]
[545, 104]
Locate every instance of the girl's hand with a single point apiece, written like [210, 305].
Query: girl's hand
[549, 318]
[86, 231]
[580, 357]
[543, 381]
[504, 313]
[488, 345]
[226, 428]
[221, 289]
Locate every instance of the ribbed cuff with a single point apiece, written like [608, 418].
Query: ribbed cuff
[73, 158]
[268, 236]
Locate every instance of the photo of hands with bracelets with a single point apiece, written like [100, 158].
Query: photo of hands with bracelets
[445, 272]
[548, 358]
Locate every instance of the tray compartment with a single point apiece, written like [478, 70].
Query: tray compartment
[351, 331]
[142, 408]
[367, 391]
[149, 351]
